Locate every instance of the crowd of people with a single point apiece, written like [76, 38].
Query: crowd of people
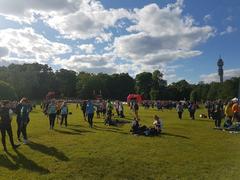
[229, 111]
[22, 110]
[57, 110]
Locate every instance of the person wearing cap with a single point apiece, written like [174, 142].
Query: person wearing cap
[5, 124]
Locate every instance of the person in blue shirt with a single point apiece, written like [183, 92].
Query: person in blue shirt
[52, 112]
[64, 113]
[90, 112]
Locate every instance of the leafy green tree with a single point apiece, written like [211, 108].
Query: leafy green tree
[66, 82]
[7, 92]
[144, 84]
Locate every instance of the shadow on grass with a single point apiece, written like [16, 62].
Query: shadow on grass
[22, 162]
[67, 132]
[80, 131]
[51, 151]
[114, 130]
[7, 163]
[175, 135]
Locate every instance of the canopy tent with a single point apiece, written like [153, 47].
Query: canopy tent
[138, 97]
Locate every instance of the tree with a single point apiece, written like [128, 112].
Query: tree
[183, 90]
[144, 84]
[7, 92]
[159, 85]
[66, 82]
[194, 96]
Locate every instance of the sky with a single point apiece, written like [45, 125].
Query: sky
[181, 38]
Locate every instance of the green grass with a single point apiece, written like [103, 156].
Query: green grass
[186, 150]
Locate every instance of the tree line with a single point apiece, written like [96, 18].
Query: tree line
[36, 80]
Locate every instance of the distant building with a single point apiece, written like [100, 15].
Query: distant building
[220, 64]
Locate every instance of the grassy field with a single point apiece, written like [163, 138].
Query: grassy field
[186, 150]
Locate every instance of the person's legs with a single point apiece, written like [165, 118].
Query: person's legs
[24, 131]
[3, 132]
[50, 120]
[62, 118]
[90, 120]
[65, 118]
[216, 122]
[53, 120]
[9, 131]
[209, 114]
[219, 122]
[84, 115]
[193, 115]
[179, 115]
[18, 128]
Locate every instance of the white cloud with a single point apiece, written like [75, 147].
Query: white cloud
[161, 35]
[228, 30]
[207, 18]
[90, 63]
[3, 51]
[87, 48]
[24, 44]
[156, 36]
[213, 77]
[90, 21]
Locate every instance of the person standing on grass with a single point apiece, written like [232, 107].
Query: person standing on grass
[179, 109]
[18, 113]
[120, 109]
[52, 111]
[228, 114]
[109, 108]
[25, 110]
[90, 112]
[236, 110]
[135, 110]
[64, 113]
[5, 124]
[218, 113]
[192, 109]
[83, 108]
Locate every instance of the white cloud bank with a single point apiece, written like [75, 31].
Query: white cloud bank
[213, 77]
[155, 36]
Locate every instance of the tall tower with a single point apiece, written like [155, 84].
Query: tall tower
[220, 64]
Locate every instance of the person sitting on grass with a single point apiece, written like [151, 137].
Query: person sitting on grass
[157, 124]
[5, 124]
[136, 128]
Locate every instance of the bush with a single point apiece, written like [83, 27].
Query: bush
[6, 91]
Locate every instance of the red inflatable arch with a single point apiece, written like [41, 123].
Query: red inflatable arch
[138, 97]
